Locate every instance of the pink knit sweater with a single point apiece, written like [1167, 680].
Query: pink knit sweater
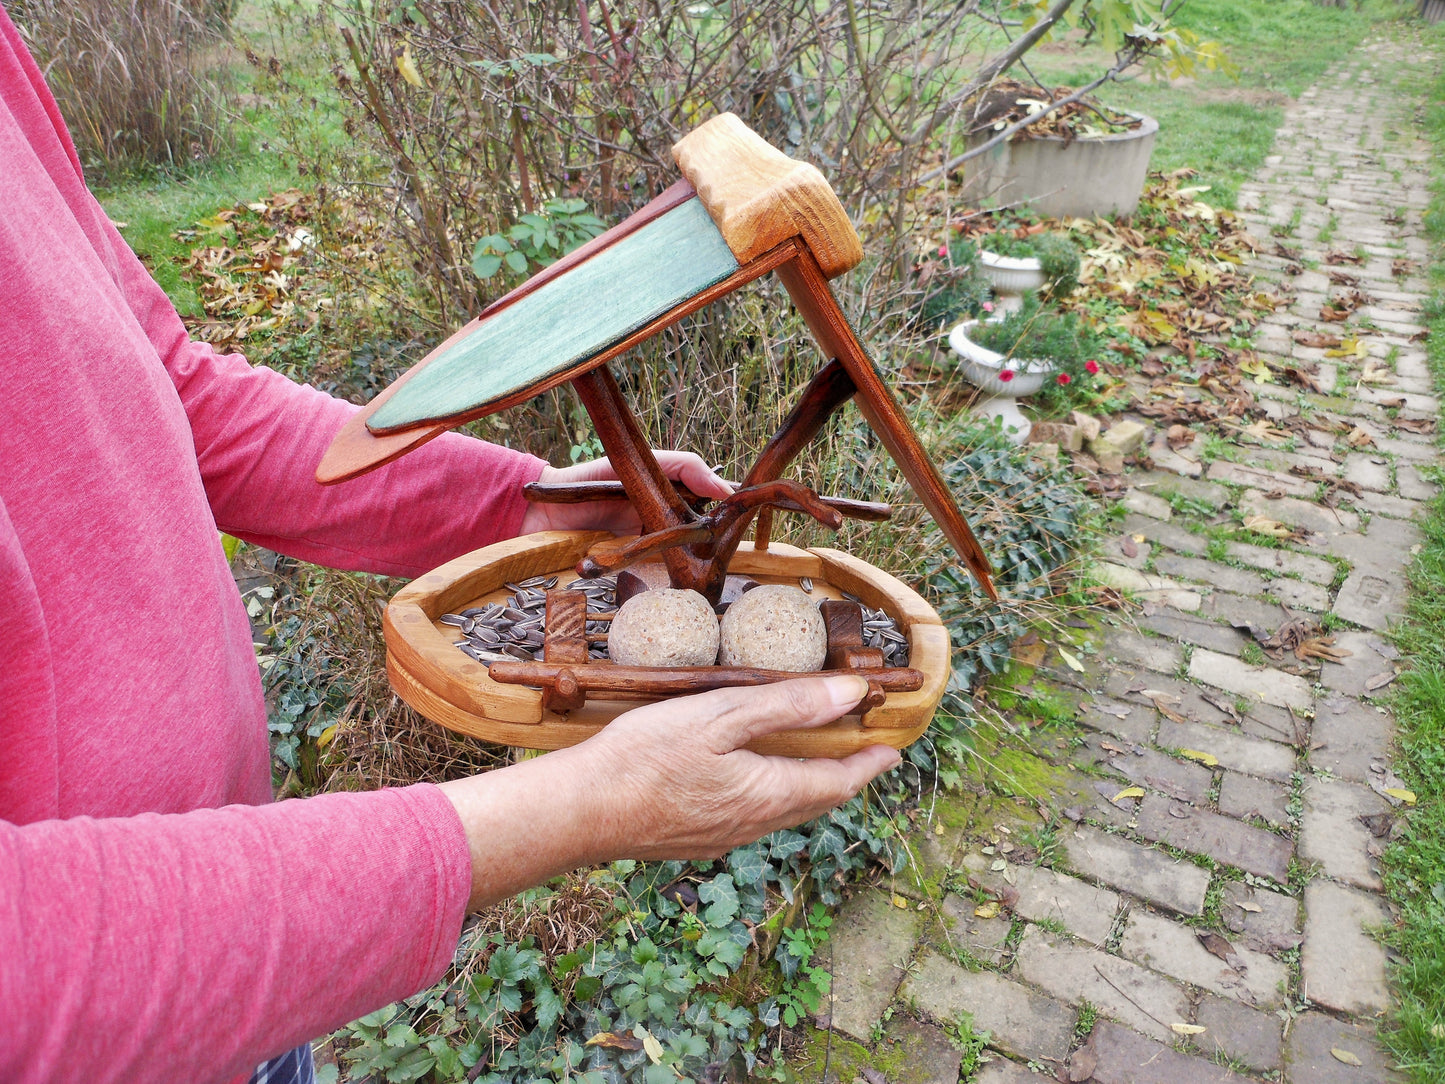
[159, 919]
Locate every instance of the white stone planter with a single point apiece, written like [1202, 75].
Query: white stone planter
[1080, 179]
[1011, 275]
[981, 367]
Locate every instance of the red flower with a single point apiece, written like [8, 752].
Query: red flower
[1065, 378]
[1006, 375]
[1091, 367]
[943, 251]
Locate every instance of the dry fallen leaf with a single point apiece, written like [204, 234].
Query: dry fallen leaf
[1379, 681]
[1316, 340]
[1267, 526]
[1246, 905]
[613, 1041]
[1221, 948]
[1344, 1056]
[900, 903]
[1406, 796]
[1209, 760]
[987, 910]
[1359, 438]
[1179, 436]
[1128, 792]
[649, 1044]
[1188, 1029]
[1083, 1062]
[1072, 662]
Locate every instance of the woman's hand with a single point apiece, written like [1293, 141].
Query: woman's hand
[669, 780]
[618, 517]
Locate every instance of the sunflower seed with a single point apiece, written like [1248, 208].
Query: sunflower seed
[517, 651]
[454, 620]
[806, 584]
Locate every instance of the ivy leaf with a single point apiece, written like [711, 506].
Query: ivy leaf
[786, 843]
[827, 841]
[747, 866]
[722, 897]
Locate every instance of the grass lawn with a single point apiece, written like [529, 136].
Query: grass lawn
[1415, 865]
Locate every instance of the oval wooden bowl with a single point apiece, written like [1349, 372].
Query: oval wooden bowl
[451, 689]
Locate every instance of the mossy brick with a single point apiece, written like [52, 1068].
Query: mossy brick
[1150, 652]
[1086, 911]
[1282, 561]
[1199, 631]
[1361, 667]
[1368, 472]
[1003, 1071]
[919, 1053]
[1125, 1057]
[872, 943]
[1184, 780]
[1238, 1033]
[1143, 872]
[984, 939]
[1165, 534]
[1332, 835]
[1168, 947]
[1262, 683]
[1224, 839]
[1217, 576]
[1311, 1059]
[1020, 1021]
[1120, 989]
[1231, 748]
[1341, 963]
[1374, 597]
[1126, 435]
[1269, 481]
[1320, 519]
[1260, 918]
[1347, 735]
[1147, 504]
[1245, 797]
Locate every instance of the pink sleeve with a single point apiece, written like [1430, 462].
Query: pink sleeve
[259, 436]
[193, 946]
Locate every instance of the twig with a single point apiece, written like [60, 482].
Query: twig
[991, 71]
[1129, 999]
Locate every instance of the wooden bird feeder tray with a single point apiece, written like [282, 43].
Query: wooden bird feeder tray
[743, 210]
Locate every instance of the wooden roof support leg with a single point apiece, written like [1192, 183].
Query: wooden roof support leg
[810, 292]
[657, 501]
[829, 389]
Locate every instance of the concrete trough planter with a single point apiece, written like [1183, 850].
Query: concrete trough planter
[1080, 178]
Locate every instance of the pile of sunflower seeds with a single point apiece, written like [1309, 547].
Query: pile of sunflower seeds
[516, 629]
[881, 631]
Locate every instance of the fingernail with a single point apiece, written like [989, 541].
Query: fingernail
[846, 690]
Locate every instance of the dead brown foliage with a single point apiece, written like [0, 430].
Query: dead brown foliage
[134, 78]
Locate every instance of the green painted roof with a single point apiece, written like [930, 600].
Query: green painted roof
[572, 318]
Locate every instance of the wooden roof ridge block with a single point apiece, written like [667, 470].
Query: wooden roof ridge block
[758, 197]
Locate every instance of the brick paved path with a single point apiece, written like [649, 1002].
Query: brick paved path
[1270, 840]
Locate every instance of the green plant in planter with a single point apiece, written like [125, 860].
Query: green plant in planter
[1058, 257]
[950, 287]
[1033, 332]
